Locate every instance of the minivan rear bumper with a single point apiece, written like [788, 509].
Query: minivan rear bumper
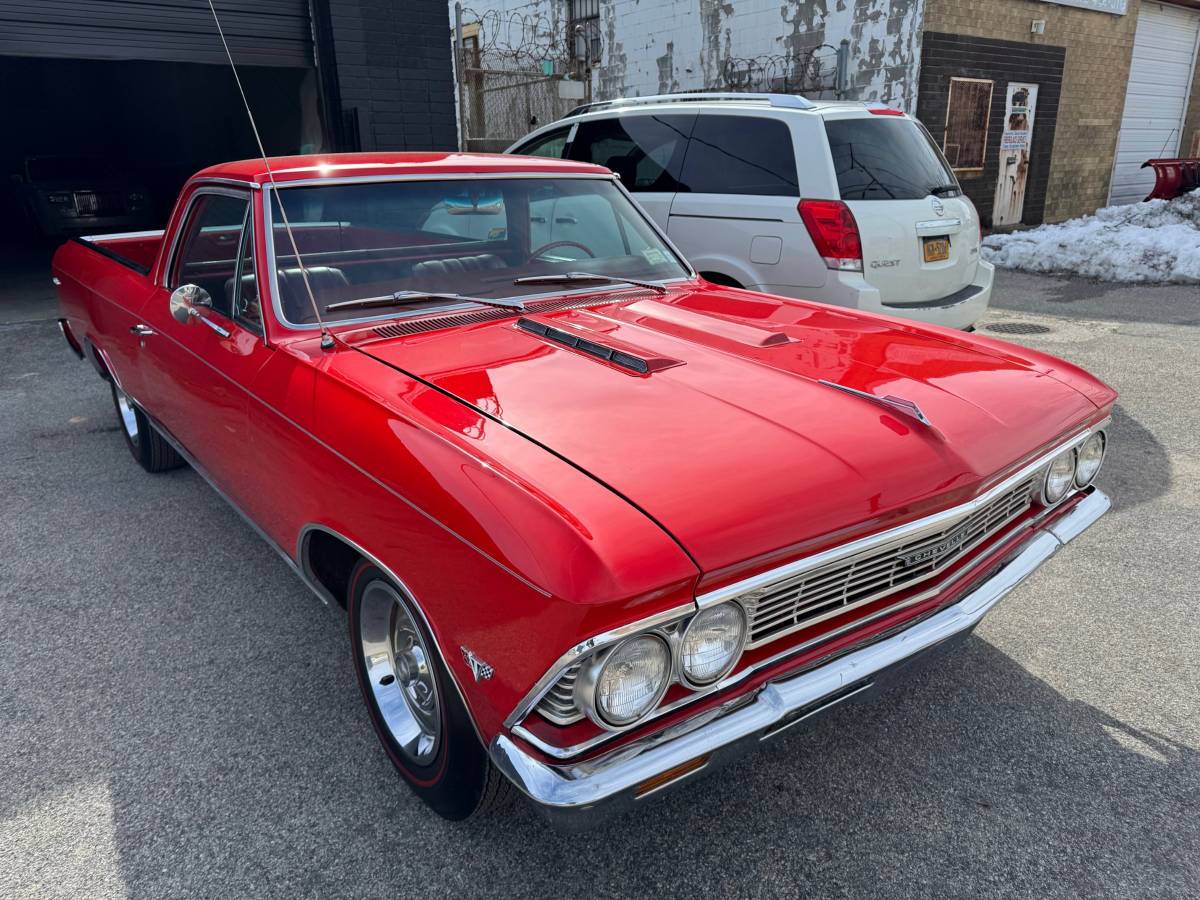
[961, 310]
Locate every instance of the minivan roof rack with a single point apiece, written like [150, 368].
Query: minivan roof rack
[787, 101]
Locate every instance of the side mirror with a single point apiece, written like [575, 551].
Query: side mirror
[185, 301]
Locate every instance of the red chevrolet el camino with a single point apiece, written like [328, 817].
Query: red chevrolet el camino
[599, 525]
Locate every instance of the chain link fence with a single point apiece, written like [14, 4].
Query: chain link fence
[515, 73]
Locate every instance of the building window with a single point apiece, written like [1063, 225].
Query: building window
[967, 112]
[583, 28]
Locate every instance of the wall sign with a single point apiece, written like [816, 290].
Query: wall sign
[1015, 145]
[1116, 7]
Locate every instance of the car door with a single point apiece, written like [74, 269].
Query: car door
[197, 372]
[736, 213]
[644, 150]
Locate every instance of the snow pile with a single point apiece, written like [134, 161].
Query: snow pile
[1156, 241]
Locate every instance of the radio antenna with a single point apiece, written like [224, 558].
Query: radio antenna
[327, 341]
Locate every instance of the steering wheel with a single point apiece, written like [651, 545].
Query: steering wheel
[550, 246]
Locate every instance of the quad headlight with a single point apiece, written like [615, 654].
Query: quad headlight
[1059, 477]
[628, 682]
[1090, 458]
[712, 643]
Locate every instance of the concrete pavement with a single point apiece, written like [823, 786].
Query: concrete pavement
[178, 715]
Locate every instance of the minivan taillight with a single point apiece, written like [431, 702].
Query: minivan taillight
[834, 232]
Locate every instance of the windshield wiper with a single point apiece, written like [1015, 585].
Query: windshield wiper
[588, 278]
[401, 297]
[943, 189]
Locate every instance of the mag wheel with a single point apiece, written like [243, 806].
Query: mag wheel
[414, 707]
[147, 446]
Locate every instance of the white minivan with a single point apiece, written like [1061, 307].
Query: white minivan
[845, 203]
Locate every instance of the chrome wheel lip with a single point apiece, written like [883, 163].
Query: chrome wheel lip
[128, 415]
[399, 672]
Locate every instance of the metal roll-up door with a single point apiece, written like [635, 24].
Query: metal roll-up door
[1164, 64]
[260, 32]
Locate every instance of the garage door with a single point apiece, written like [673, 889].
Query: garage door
[260, 32]
[1164, 63]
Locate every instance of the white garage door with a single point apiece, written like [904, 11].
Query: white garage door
[1164, 63]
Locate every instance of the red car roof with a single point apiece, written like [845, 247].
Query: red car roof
[343, 165]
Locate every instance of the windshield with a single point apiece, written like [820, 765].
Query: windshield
[467, 236]
[887, 158]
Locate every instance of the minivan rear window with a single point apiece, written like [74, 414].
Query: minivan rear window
[740, 155]
[887, 158]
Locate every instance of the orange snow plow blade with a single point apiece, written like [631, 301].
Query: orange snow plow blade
[1173, 177]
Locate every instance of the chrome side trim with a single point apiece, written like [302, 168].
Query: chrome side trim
[893, 535]
[366, 474]
[124, 235]
[578, 796]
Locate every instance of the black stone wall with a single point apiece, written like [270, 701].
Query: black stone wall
[386, 74]
[946, 56]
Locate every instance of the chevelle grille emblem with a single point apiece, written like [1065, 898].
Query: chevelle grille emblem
[952, 542]
[481, 670]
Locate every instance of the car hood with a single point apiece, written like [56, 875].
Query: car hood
[730, 441]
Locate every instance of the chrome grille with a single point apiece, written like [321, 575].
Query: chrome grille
[827, 591]
[559, 703]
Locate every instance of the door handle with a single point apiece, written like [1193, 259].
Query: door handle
[141, 330]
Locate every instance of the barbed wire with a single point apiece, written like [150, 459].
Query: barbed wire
[813, 70]
[524, 40]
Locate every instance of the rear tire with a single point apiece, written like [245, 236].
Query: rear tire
[414, 707]
[147, 446]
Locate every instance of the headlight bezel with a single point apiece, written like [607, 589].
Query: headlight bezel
[1047, 498]
[1102, 436]
[682, 632]
[587, 682]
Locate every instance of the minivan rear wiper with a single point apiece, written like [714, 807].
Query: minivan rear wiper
[587, 277]
[943, 189]
[400, 297]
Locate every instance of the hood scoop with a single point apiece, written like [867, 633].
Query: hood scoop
[632, 362]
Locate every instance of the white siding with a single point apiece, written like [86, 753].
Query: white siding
[1164, 63]
[660, 46]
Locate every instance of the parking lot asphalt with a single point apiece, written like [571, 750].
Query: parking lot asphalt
[178, 715]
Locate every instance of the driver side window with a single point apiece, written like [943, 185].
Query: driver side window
[208, 250]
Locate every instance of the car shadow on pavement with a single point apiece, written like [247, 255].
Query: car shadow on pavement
[1137, 468]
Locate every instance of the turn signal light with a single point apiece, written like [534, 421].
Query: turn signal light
[662, 779]
[834, 232]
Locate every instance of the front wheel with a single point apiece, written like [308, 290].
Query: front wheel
[415, 708]
[147, 446]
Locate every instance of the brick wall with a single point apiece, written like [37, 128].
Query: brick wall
[393, 73]
[1191, 125]
[951, 55]
[1099, 47]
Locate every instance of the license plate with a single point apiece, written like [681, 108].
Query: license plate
[937, 249]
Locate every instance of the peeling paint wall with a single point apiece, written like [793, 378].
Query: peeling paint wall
[656, 46]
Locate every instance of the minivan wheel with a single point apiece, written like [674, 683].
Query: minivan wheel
[413, 705]
[718, 278]
[147, 446]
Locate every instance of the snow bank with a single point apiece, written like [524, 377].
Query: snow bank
[1156, 241]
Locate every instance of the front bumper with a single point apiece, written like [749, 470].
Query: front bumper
[578, 796]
